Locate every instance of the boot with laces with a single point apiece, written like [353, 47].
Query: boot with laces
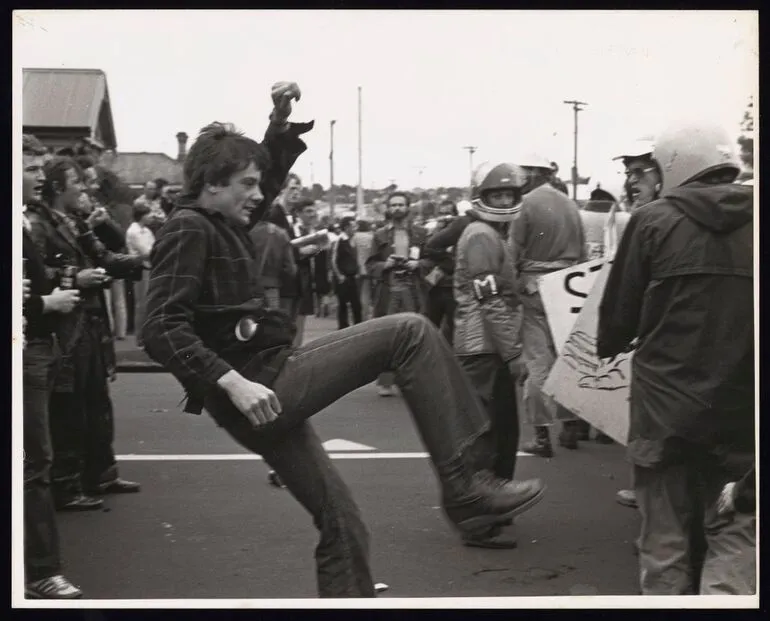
[55, 587]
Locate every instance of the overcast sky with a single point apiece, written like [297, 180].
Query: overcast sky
[433, 81]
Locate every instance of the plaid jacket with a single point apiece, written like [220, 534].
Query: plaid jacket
[205, 275]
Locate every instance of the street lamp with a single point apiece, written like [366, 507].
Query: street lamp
[332, 198]
[576, 108]
[471, 151]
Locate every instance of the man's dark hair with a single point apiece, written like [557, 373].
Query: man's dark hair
[393, 195]
[449, 203]
[160, 183]
[139, 211]
[364, 226]
[85, 162]
[347, 221]
[219, 152]
[56, 176]
[291, 176]
[30, 145]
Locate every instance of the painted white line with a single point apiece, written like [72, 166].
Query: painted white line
[337, 445]
[251, 457]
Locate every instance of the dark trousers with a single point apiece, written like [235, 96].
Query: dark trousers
[41, 536]
[440, 309]
[497, 390]
[82, 423]
[448, 416]
[347, 294]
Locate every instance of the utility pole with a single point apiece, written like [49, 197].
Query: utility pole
[312, 175]
[576, 108]
[331, 170]
[471, 151]
[419, 185]
[360, 192]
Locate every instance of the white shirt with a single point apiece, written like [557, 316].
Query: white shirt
[139, 240]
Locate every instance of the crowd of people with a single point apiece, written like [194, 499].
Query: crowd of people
[228, 270]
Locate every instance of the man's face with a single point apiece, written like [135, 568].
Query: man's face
[241, 196]
[73, 196]
[642, 182]
[32, 177]
[309, 216]
[293, 191]
[445, 211]
[150, 190]
[500, 199]
[398, 208]
[91, 180]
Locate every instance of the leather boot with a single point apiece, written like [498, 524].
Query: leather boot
[568, 438]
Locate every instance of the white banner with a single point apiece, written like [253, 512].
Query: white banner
[595, 390]
[564, 293]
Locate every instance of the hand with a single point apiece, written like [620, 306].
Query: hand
[97, 216]
[26, 285]
[91, 277]
[412, 265]
[61, 300]
[310, 250]
[256, 402]
[282, 94]
[518, 369]
[725, 502]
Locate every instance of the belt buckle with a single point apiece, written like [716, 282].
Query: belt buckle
[246, 328]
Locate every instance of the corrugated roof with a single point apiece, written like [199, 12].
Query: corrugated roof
[63, 97]
[139, 168]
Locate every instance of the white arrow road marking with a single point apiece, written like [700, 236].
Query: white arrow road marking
[346, 445]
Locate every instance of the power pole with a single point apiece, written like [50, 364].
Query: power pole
[471, 151]
[576, 108]
[419, 185]
[331, 170]
[360, 192]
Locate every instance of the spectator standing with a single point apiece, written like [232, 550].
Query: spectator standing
[362, 242]
[139, 241]
[344, 264]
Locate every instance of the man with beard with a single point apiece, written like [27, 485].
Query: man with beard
[207, 324]
[440, 301]
[547, 236]
[394, 264]
[82, 425]
[487, 337]
[681, 287]
[42, 308]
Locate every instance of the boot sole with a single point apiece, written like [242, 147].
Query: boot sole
[484, 521]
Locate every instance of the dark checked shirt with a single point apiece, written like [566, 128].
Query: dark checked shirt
[204, 275]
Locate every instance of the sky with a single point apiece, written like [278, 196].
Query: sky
[432, 82]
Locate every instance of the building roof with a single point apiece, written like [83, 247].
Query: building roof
[139, 168]
[65, 98]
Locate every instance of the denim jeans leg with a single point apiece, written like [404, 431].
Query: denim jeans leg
[41, 538]
[342, 554]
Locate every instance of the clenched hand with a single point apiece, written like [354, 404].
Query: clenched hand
[256, 402]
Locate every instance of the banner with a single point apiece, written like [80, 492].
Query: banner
[595, 390]
[564, 293]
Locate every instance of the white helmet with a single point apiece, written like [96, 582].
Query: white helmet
[642, 147]
[533, 160]
[501, 176]
[689, 149]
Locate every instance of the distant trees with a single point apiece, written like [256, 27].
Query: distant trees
[746, 140]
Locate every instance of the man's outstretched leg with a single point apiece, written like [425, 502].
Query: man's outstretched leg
[450, 419]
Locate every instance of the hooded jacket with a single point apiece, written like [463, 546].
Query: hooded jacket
[682, 284]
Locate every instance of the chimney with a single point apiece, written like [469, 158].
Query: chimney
[181, 138]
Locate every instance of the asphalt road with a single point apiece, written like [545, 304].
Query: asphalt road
[207, 525]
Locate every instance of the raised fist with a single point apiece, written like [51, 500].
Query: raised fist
[282, 94]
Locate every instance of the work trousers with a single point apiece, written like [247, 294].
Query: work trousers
[41, 535]
[348, 295]
[448, 416]
[82, 422]
[402, 298]
[496, 389]
[685, 548]
[440, 309]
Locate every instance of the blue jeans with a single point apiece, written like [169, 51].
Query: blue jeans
[41, 537]
[448, 416]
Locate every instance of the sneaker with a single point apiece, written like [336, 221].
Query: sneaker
[568, 437]
[55, 587]
[627, 498]
[497, 500]
[81, 502]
